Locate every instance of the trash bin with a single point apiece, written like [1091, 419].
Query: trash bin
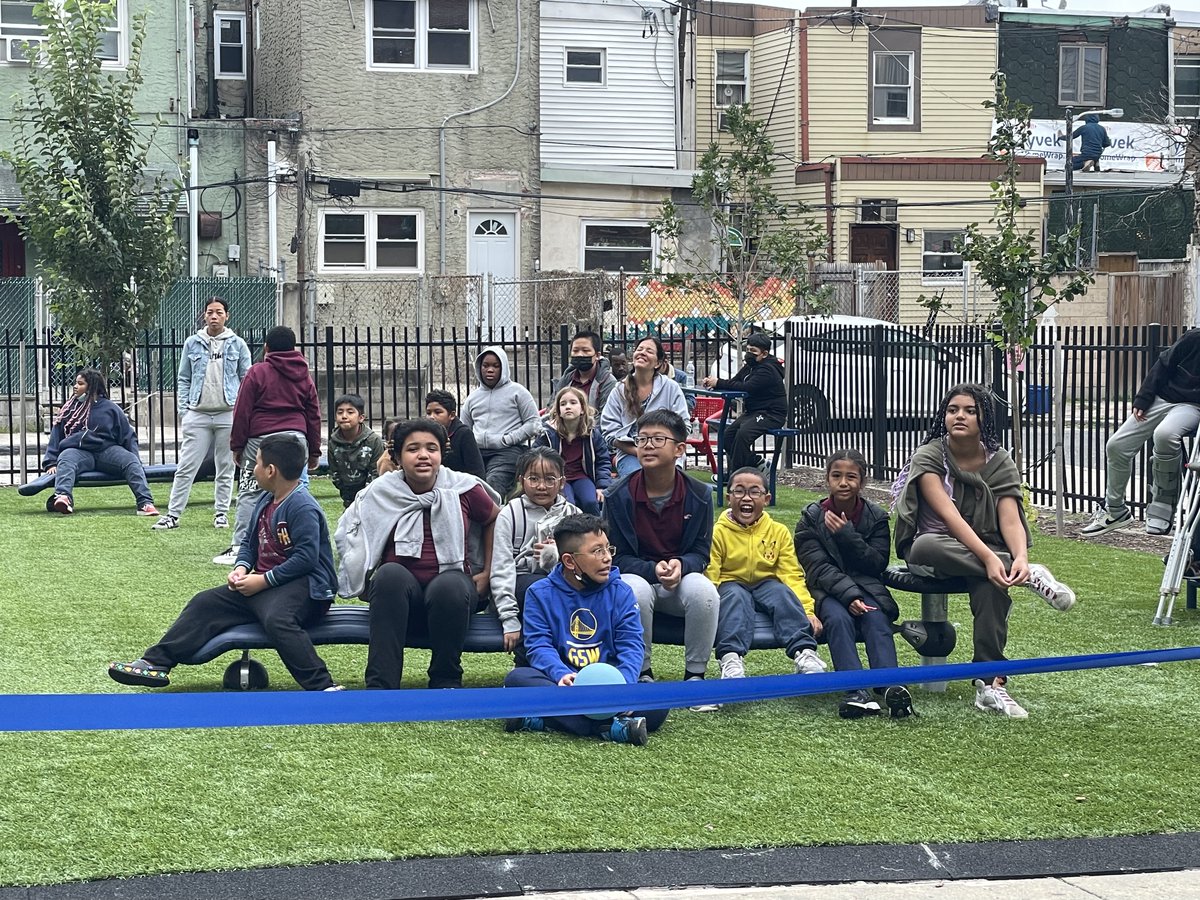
[1038, 399]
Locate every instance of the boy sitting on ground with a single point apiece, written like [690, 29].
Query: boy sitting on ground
[753, 564]
[577, 616]
[353, 448]
[284, 579]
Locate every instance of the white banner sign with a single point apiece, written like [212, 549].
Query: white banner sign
[1136, 146]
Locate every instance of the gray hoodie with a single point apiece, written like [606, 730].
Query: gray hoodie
[502, 416]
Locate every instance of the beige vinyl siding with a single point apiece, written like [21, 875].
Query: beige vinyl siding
[955, 72]
[706, 63]
[775, 69]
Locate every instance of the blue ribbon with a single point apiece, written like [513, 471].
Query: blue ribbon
[100, 712]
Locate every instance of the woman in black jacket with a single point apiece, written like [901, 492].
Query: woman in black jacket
[843, 543]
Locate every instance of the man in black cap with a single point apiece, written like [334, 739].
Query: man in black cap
[765, 406]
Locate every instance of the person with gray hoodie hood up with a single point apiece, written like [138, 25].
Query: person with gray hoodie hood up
[502, 416]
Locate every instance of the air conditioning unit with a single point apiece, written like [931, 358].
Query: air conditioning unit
[220, 271]
[722, 122]
[16, 51]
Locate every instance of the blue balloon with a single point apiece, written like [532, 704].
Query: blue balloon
[599, 673]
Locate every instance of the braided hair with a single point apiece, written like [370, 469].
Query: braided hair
[73, 414]
[985, 409]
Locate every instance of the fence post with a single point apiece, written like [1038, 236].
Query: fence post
[330, 395]
[879, 441]
[564, 345]
[789, 377]
[1000, 387]
[1153, 344]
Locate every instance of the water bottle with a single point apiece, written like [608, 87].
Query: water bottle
[690, 370]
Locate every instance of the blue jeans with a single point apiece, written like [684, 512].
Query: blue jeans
[114, 460]
[582, 493]
[627, 465]
[735, 619]
[584, 726]
[843, 630]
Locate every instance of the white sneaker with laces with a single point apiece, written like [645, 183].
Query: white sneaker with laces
[995, 698]
[220, 520]
[1102, 523]
[702, 707]
[164, 523]
[808, 663]
[732, 666]
[1049, 588]
[226, 558]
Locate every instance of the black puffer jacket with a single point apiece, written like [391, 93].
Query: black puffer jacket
[848, 563]
[763, 383]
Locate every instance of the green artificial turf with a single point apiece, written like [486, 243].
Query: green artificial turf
[1103, 752]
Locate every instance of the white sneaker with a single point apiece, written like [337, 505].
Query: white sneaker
[165, 522]
[808, 663]
[220, 520]
[226, 558]
[703, 707]
[335, 687]
[1102, 523]
[994, 698]
[732, 666]
[1049, 588]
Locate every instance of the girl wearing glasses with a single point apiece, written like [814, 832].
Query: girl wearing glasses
[645, 390]
[523, 549]
[587, 463]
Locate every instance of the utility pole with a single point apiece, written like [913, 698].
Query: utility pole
[1069, 170]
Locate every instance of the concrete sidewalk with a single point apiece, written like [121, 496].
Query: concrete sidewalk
[1181, 885]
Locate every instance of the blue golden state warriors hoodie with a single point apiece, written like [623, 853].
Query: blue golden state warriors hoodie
[566, 629]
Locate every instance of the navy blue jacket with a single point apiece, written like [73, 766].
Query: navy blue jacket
[597, 458]
[1093, 138]
[697, 529]
[565, 629]
[107, 426]
[300, 526]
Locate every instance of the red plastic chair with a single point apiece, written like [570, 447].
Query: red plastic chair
[706, 408]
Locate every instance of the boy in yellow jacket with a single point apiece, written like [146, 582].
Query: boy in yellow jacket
[753, 564]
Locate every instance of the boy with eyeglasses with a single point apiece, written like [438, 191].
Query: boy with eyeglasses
[661, 524]
[578, 616]
[754, 566]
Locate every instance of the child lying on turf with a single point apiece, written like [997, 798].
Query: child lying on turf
[582, 614]
[284, 578]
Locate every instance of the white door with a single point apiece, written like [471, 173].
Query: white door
[492, 250]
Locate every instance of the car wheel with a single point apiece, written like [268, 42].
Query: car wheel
[810, 409]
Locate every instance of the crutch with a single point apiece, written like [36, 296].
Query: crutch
[1187, 516]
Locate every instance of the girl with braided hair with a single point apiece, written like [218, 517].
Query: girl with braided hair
[90, 433]
[959, 514]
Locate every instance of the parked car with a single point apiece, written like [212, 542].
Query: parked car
[841, 367]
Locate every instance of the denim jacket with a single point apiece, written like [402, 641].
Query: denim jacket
[194, 362]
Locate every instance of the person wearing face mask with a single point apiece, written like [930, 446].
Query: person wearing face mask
[764, 408]
[588, 370]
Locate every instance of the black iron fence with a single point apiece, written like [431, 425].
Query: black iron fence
[872, 387]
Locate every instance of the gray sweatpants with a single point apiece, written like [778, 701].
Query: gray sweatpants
[202, 432]
[248, 489]
[1167, 423]
[695, 600]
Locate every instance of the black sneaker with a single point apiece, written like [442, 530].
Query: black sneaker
[899, 702]
[527, 723]
[858, 705]
[628, 730]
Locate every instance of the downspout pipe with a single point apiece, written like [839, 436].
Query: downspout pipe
[442, 146]
[193, 143]
[272, 212]
[802, 39]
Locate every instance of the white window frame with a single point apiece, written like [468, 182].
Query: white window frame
[220, 16]
[718, 83]
[12, 35]
[421, 42]
[567, 67]
[585, 224]
[371, 237]
[1193, 108]
[877, 107]
[1078, 99]
[940, 276]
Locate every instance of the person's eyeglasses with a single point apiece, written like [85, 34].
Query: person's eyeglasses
[601, 552]
[740, 492]
[653, 440]
[538, 480]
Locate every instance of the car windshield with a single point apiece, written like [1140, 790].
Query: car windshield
[858, 340]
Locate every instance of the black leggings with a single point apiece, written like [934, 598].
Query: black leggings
[441, 611]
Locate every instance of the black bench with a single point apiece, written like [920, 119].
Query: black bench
[348, 623]
[932, 636]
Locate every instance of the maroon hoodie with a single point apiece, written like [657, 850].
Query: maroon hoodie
[277, 394]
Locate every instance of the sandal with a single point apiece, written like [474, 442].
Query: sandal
[139, 675]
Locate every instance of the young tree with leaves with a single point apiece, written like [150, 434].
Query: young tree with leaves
[1008, 257]
[102, 228]
[755, 239]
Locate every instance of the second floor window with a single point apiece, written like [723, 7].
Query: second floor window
[1080, 75]
[1187, 87]
[372, 241]
[230, 52]
[585, 66]
[17, 25]
[941, 259]
[422, 34]
[731, 78]
[892, 87]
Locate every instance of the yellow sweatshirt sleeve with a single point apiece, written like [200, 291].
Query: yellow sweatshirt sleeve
[716, 556]
[789, 572]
